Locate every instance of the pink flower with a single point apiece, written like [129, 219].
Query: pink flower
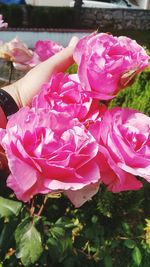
[49, 151]
[46, 49]
[43, 50]
[107, 64]
[116, 179]
[79, 197]
[124, 138]
[16, 51]
[27, 65]
[64, 93]
[2, 23]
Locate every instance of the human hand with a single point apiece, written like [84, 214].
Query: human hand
[27, 87]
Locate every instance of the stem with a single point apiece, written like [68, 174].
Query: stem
[126, 238]
[42, 206]
[32, 208]
[11, 72]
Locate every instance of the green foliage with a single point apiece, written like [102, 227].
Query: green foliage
[28, 242]
[101, 233]
[4, 9]
[39, 16]
[17, 13]
[137, 96]
[53, 17]
[137, 256]
[9, 208]
[13, 14]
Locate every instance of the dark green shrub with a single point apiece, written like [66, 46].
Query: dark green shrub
[16, 16]
[137, 96]
[53, 17]
[5, 11]
[13, 14]
[39, 17]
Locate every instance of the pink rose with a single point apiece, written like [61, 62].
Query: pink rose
[64, 93]
[2, 23]
[79, 197]
[16, 51]
[43, 50]
[46, 49]
[29, 64]
[107, 64]
[48, 151]
[115, 178]
[124, 138]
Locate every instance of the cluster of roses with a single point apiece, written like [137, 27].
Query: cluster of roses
[21, 56]
[69, 141]
[24, 58]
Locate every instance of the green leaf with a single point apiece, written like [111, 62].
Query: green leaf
[9, 208]
[57, 232]
[66, 223]
[28, 243]
[94, 219]
[108, 261]
[126, 228]
[54, 249]
[137, 256]
[129, 243]
[7, 236]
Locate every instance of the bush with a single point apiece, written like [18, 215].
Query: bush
[17, 13]
[5, 11]
[39, 17]
[137, 96]
[53, 17]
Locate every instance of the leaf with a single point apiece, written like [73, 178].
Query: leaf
[54, 249]
[9, 208]
[7, 236]
[108, 261]
[94, 219]
[66, 223]
[137, 256]
[57, 232]
[128, 78]
[129, 243]
[28, 243]
[126, 228]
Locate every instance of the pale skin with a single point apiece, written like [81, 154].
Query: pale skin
[27, 87]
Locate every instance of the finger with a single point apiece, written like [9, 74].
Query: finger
[73, 41]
